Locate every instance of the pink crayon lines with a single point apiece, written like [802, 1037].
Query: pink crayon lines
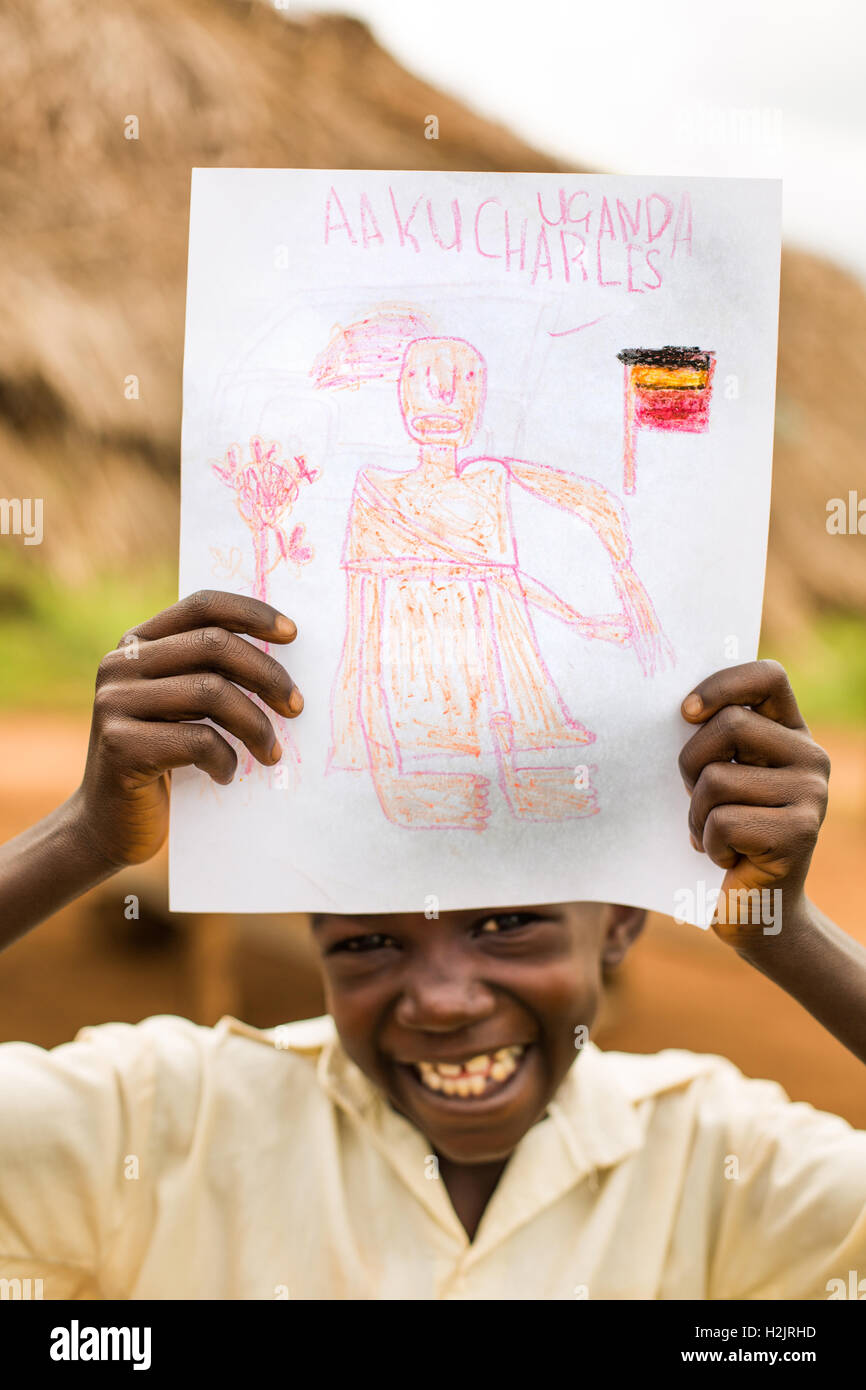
[266, 488]
[441, 679]
[369, 350]
[666, 388]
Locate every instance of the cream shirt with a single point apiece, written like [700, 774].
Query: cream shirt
[167, 1160]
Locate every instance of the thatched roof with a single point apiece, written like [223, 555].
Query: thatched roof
[94, 258]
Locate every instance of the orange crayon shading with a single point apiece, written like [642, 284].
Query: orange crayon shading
[440, 658]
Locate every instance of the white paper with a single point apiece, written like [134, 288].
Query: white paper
[424, 371]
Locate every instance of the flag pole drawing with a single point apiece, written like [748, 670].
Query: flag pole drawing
[666, 388]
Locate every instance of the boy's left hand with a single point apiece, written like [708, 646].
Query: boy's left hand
[758, 786]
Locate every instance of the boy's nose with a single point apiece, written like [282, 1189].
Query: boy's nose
[440, 1002]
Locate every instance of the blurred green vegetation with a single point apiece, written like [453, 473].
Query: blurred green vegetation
[827, 668]
[53, 636]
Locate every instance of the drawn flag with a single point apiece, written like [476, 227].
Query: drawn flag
[666, 388]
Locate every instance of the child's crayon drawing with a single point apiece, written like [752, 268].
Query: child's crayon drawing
[266, 487]
[666, 388]
[497, 621]
[371, 349]
[440, 656]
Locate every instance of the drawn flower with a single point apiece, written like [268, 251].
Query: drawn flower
[266, 488]
[293, 549]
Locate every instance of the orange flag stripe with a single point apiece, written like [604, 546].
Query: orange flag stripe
[669, 378]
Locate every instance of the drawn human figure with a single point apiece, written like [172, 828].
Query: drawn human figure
[440, 658]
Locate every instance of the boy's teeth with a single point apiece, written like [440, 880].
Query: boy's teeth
[472, 1077]
[479, 1063]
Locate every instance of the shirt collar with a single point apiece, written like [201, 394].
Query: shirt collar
[591, 1124]
[593, 1111]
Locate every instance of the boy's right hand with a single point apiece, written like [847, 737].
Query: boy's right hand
[185, 664]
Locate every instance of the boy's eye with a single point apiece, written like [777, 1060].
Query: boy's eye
[374, 941]
[504, 922]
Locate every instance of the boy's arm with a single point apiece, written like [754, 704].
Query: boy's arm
[186, 664]
[758, 787]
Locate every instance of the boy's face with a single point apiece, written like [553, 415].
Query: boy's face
[469, 1022]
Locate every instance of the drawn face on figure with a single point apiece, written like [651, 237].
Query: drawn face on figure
[467, 1022]
[442, 384]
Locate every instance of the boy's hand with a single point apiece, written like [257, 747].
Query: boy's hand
[758, 786]
[185, 664]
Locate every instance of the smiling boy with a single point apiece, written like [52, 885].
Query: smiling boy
[447, 1130]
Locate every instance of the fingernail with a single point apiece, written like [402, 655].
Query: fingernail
[296, 701]
[285, 628]
[692, 705]
[276, 753]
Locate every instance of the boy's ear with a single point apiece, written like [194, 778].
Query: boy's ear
[621, 926]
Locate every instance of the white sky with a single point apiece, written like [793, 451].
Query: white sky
[638, 87]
